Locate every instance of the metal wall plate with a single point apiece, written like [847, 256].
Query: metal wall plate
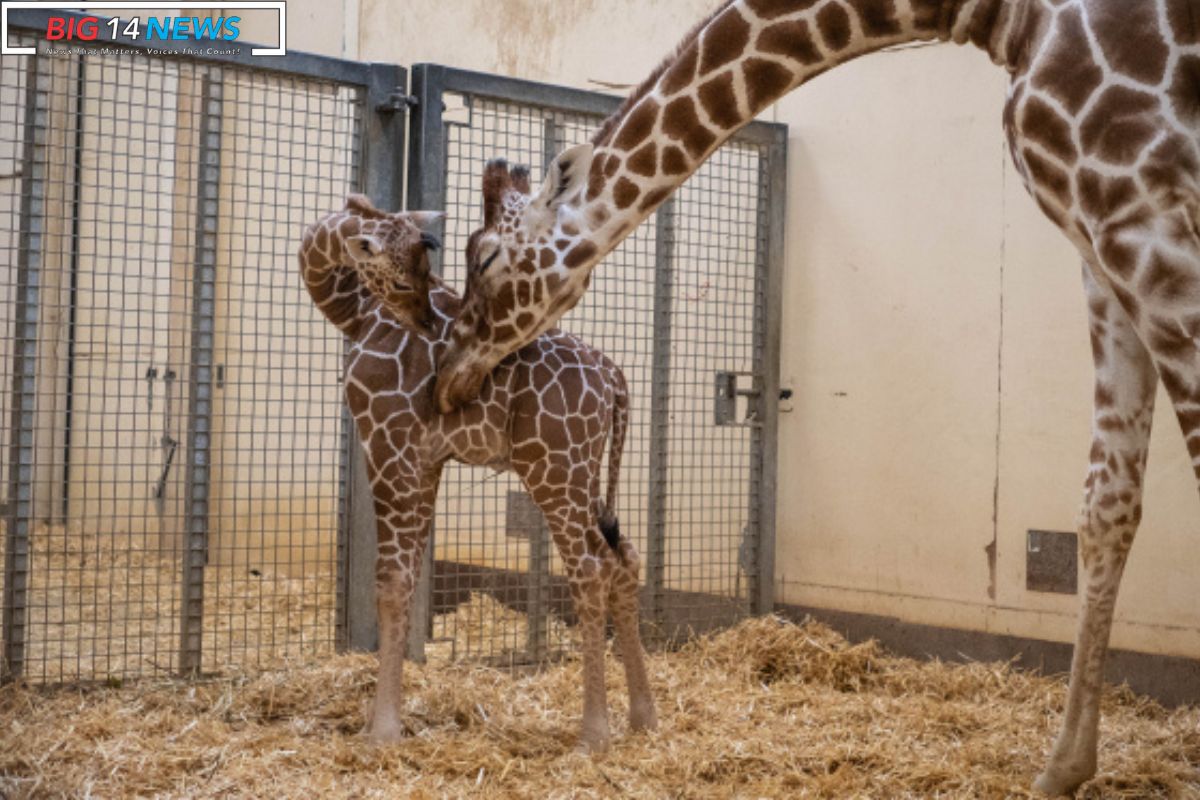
[1052, 562]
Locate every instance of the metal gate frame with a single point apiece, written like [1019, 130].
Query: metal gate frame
[380, 158]
[427, 176]
[382, 150]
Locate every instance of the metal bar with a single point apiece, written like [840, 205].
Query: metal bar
[768, 320]
[660, 413]
[381, 178]
[200, 396]
[295, 63]
[426, 191]
[73, 293]
[24, 391]
[561, 98]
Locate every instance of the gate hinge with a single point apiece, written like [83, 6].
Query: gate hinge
[398, 100]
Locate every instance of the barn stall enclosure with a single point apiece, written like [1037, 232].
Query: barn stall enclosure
[183, 491]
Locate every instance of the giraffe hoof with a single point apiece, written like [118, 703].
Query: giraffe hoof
[1061, 782]
[643, 718]
[384, 732]
[592, 744]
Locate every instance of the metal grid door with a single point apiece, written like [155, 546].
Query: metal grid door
[177, 455]
[683, 306]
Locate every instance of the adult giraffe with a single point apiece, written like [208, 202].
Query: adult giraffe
[1103, 122]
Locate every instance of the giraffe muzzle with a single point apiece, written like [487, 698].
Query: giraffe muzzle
[458, 382]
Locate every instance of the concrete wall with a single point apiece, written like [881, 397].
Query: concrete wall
[934, 324]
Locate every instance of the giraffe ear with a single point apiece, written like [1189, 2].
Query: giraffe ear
[362, 248]
[565, 176]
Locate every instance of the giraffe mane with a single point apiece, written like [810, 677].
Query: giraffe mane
[608, 126]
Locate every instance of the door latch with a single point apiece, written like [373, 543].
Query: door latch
[725, 399]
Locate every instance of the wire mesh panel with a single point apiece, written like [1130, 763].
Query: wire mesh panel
[177, 432]
[679, 303]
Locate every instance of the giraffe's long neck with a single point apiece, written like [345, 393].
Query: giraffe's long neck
[740, 60]
[334, 287]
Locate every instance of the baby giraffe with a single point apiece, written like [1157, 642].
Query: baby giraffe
[546, 412]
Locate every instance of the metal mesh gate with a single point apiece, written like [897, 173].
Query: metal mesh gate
[180, 489]
[681, 307]
[176, 458]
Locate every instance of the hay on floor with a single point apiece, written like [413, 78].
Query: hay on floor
[767, 709]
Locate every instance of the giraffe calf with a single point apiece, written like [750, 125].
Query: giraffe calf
[546, 413]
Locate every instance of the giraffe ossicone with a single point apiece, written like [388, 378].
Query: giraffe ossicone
[1103, 123]
[546, 413]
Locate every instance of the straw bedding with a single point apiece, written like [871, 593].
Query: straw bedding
[767, 709]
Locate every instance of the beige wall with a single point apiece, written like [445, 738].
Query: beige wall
[934, 326]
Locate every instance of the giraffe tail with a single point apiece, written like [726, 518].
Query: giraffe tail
[609, 527]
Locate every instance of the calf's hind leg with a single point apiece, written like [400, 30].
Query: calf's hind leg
[623, 602]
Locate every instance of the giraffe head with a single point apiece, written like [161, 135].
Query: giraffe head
[527, 265]
[389, 253]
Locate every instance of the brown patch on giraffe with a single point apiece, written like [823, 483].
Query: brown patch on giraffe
[1042, 124]
[1068, 72]
[877, 17]
[1174, 156]
[719, 101]
[681, 123]
[625, 193]
[681, 74]
[379, 374]
[1120, 125]
[1185, 91]
[638, 125]
[1104, 396]
[674, 161]
[1101, 196]
[547, 258]
[645, 160]
[792, 40]
[723, 40]
[1130, 39]
[1048, 176]
[770, 9]
[1165, 280]
[654, 198]
[598, 216]
[1165, 338]
[596, 180]
[579, 255]
[834, 24]
[504, 301]
[356, 399]
[1184, 21]
[1099, 356]
[766, 81]
[612, 165]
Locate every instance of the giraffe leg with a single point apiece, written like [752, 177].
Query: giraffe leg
[623, 601]
[577, 538]
[403, 529]
[589, 592]
[1112, 507]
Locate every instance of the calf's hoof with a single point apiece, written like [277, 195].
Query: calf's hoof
[643, 718]
[1063, 780]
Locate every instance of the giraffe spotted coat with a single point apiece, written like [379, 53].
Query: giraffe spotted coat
[1103, 123]
[546, 413]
